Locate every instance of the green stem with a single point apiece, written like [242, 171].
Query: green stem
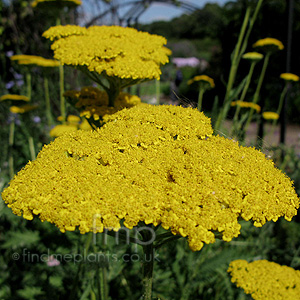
[31, 148]
[58, 21]
[173, 238]
[93, 295]
[258, 88]
[200, 98]
[112, 95]
[233, 70]
[47, 100]
[101, 283]
[283, 93]
[252, 21]
[76, 280]
[122, 236]
[114, 90]
[61, 93]
[101, 278]
[148, 269]
[157, 91]
[11, 143]
[244, 92]
[28, 82]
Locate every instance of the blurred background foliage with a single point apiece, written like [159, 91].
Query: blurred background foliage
[212, 39]
[209, 34]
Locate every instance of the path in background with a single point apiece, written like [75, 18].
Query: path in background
[292, 132]
[292, 135]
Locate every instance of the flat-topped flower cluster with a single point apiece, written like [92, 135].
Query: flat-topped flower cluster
[154, 164]
[116, 51]
[266, 280]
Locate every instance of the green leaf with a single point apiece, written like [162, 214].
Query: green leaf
[18, 239]
[30, 293]
[55, 281]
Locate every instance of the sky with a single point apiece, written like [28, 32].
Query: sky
[167, 12]
[156, 11]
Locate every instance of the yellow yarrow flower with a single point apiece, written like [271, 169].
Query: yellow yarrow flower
[152, 164]
[266, 280]
[23, 59]
[246, 105]
[289, 77]
[269, 115]
[73, 124]
[88, 96]
[22, 109]
[55, 3]
[93, 103]
[203, 78]
[253, 56]
[61, 129]
[270, 44]
[73, 119]
[14, 97]
[123, 52]
[85, 125]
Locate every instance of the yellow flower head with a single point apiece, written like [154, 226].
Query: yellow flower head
[152, 164]
[204, 79]
[123, 52]
[265, 280]
[71, 119]
[93, 103]
[55, 3]
[61, 129]
[246, 104]
[13, 97]
[85, 125]
[269, 115]
[269, 44]
[22, 109]
[23, 59]
[253, 56]
[289, 77]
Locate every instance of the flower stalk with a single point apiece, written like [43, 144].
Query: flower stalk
[157, 91]
[61, 93]
[47, 100]
[200, 98]
[11, 144]
[148, 265]
[233, 70]
[282, 96]
[28, 83]
[237, 126]
[237, 54]
[258, 88]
